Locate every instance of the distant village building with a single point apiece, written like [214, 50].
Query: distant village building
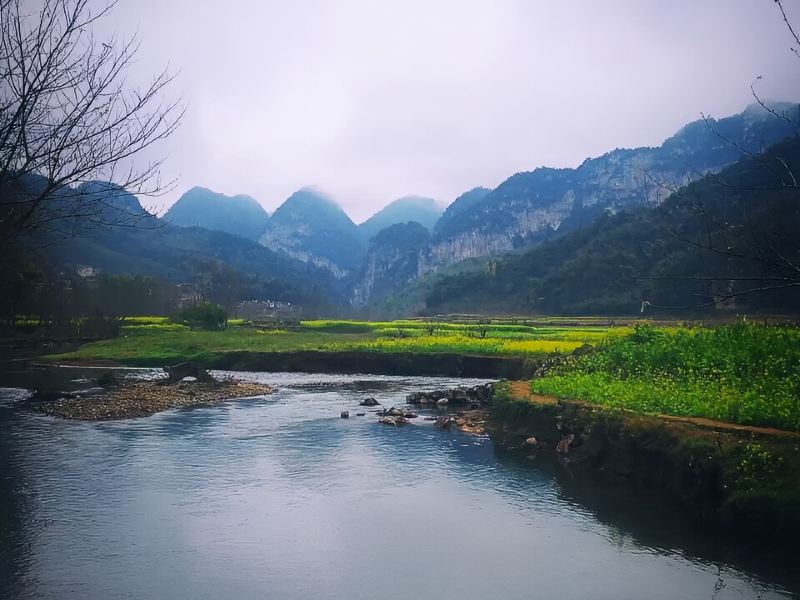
[189, 295]
[87, 271]
[267, 310]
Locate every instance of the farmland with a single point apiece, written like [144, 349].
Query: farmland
[145, 339]
[742, 372]
[739, 373]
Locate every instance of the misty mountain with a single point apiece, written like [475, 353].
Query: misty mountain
[240, 215]
[529, 208]
[312, 228]
[751, 210]
[422, 210]
[186, 255]
[464, 203]
[392, 261]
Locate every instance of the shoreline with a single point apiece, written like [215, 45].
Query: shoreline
[135, 399]
[728, 477]
[734, 479]
[342, 362]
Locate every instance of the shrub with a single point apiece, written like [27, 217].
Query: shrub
[206, 315]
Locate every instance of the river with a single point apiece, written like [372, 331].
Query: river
[278, 497]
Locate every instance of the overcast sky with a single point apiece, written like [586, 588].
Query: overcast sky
[373, 100]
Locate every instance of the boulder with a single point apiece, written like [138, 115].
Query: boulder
[564, 444]
[444, 422]
[393, 421]
[176, 373]
[369, 402]
[345, 414]
[400, 412]
[475, 396]
[531, 443]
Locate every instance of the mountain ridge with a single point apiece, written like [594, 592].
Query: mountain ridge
[240, 214]
[311, 227]
[420, 209]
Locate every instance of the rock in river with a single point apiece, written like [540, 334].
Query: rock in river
[478, 395]
[132, 399]
[394, 421]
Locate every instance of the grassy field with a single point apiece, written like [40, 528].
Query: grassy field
[748, 374]
[149, 339]
[742, 373]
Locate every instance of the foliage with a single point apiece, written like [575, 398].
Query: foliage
[153, 339]
[462, 344]
[743, 373]
[204, 316]
[659, 255]
[68, 117]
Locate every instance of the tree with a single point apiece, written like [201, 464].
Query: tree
[204, 316]
[741, 230]
[68, 118]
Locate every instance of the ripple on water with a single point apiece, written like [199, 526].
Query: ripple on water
[276, 496]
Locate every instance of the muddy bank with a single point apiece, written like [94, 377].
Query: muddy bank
[130, 399]
[739, 480]
[377, 363]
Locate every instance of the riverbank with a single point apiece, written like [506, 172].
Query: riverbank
[132, 399]
[310, 361]
[169, 343]
[739, 479]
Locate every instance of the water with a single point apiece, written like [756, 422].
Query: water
[277, 497]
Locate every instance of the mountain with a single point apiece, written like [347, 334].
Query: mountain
[723, 234]
[529, 208]
[240, 215]
[117, 205]
[409, 208]
[189, 255]
[459, 206]
[312, 228]
[392, 261]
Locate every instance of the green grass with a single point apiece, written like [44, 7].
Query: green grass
[147, 340]
[748, 374]
[147, 346]
[742, 373]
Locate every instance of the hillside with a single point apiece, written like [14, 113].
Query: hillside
[409, 208]
[529, 208]
[312, 228]
[725, 233]
[192, 255]
[201, 207]
[391, 262]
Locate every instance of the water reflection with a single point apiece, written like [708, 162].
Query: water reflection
[277, 496]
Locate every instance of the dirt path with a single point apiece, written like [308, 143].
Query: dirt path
[522, 391]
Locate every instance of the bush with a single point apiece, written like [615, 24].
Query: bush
[98, 326]
[740, 373]
[208, 316]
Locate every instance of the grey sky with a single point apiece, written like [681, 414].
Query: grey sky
[373, 100]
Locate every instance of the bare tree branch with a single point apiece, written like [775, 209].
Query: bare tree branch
[68, 117]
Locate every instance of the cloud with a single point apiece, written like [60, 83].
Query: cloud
[375, 100]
